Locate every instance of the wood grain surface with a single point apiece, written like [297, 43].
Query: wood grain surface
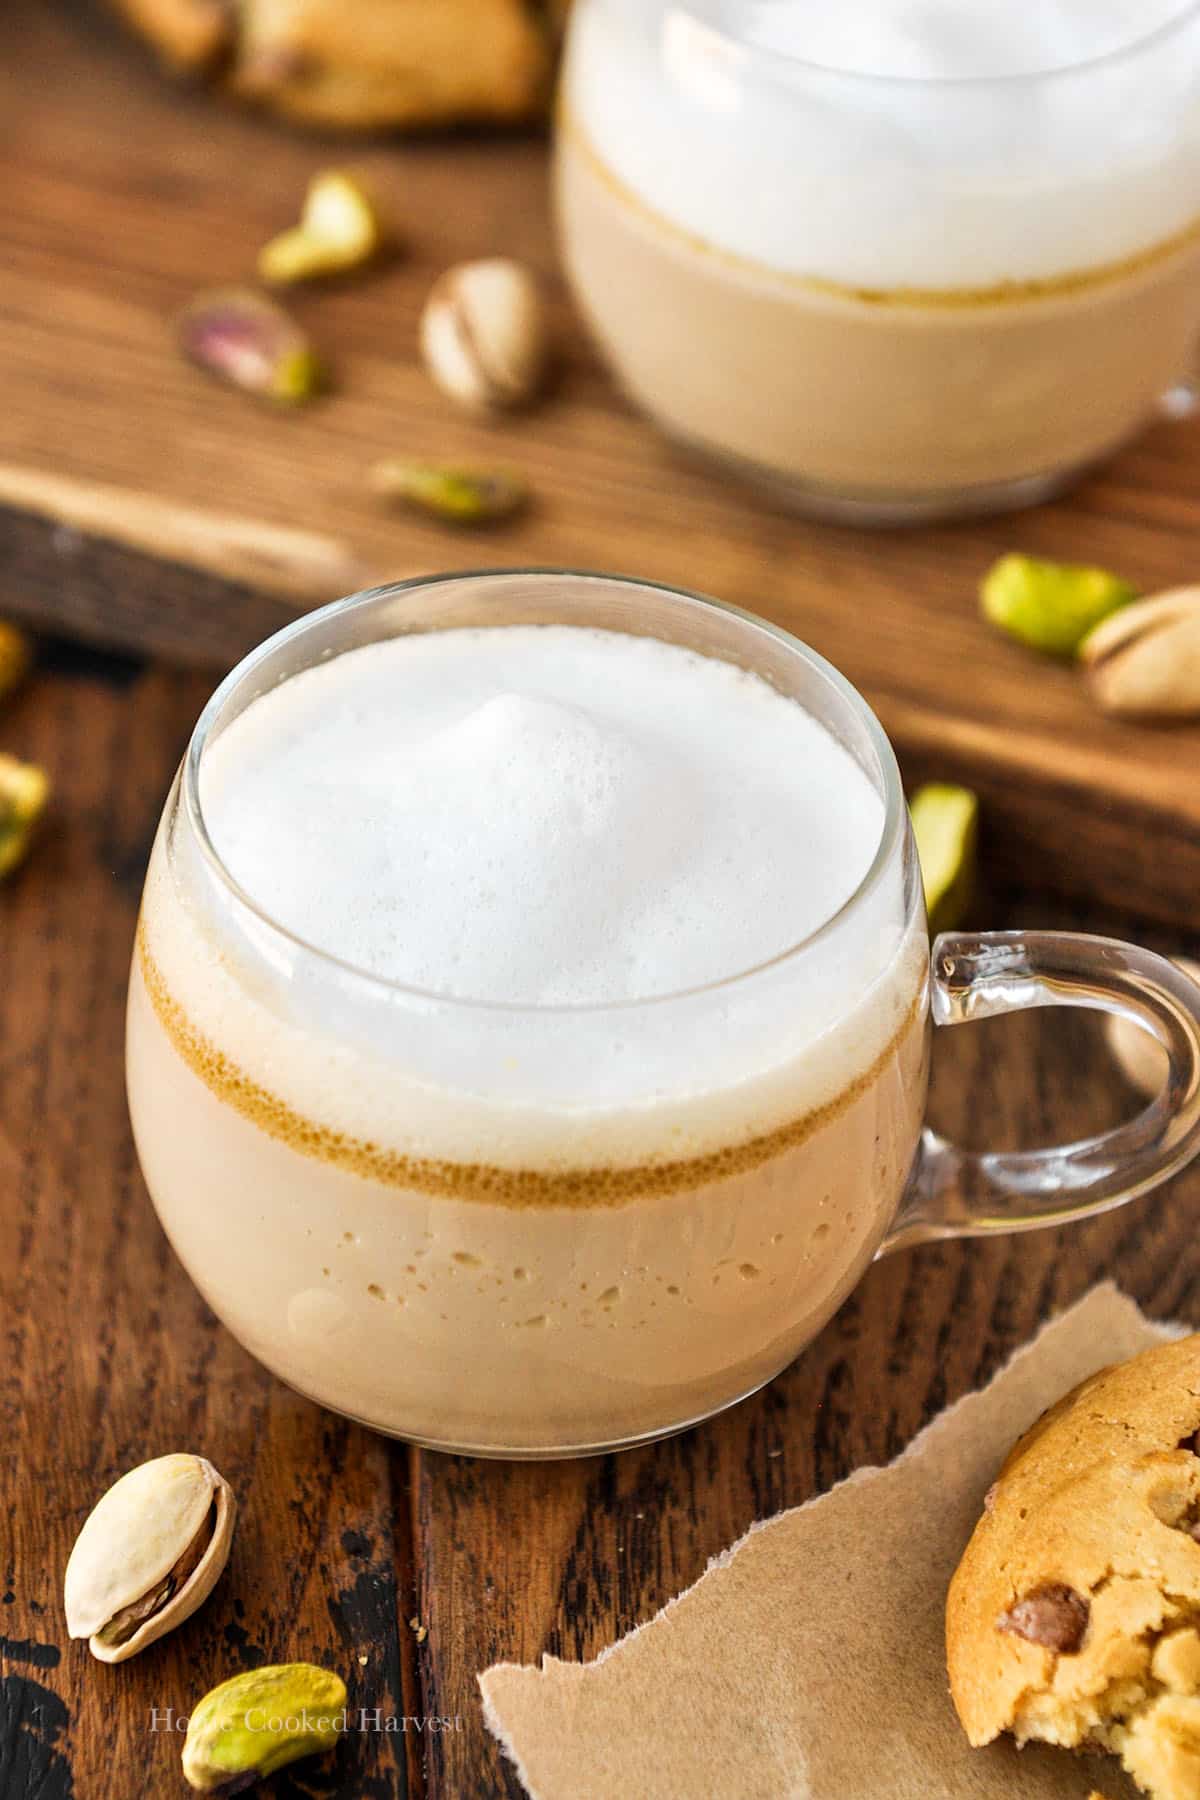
[141, 506]
[121, 195]
[345, 1540]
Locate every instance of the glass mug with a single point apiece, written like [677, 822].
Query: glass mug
[576, 1283]
[885, 297]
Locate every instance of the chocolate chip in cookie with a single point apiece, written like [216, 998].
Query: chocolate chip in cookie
[1052, 1615]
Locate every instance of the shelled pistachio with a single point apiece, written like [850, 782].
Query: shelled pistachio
[24, 791]
[456, 496]
[945, 822]
[340, 229]
[1050, 606]
[259, 1721]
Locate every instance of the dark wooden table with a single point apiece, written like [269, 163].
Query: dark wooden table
[407, 1571]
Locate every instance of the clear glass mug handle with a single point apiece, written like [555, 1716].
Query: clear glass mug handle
[957, 1193]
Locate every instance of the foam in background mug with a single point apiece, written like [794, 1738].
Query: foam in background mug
[528, 1023]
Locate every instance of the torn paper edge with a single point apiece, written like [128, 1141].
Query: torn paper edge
[1165, 1328]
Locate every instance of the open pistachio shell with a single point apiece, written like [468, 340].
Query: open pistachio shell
[150, 1552]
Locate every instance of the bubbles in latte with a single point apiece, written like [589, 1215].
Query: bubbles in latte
[540, 814]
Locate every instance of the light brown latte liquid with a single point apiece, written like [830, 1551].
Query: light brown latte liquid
[511, 1310]
[892, 395]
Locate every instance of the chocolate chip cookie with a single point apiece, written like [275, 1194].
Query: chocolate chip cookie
[1074, 1615]
[361, 64]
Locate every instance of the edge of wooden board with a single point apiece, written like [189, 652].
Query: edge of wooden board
[1122, 851]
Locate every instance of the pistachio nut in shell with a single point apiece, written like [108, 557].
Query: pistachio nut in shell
[249, 341]
[150, 1552]
[1144, 662]
[484, 336]
[1137, 1053]
[260, 1721]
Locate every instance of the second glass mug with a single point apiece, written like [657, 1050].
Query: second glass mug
[545, 1231]
[884, 296]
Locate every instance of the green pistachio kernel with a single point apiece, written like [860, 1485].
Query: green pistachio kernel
[1050, 606]
[259, 1721]
[945, 824]
[339, 230]
[454, 495]
[24, 790]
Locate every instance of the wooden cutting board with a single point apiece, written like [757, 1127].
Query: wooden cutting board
[144, 506]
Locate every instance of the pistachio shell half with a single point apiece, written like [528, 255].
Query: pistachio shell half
[260, 1721]
[150, 1552]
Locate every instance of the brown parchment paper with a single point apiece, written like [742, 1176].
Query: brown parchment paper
[808, 1660]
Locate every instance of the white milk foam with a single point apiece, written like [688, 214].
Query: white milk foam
[961, 39]
[540, 814]
[831, 159]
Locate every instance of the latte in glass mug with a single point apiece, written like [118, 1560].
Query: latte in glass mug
[529, 1012]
